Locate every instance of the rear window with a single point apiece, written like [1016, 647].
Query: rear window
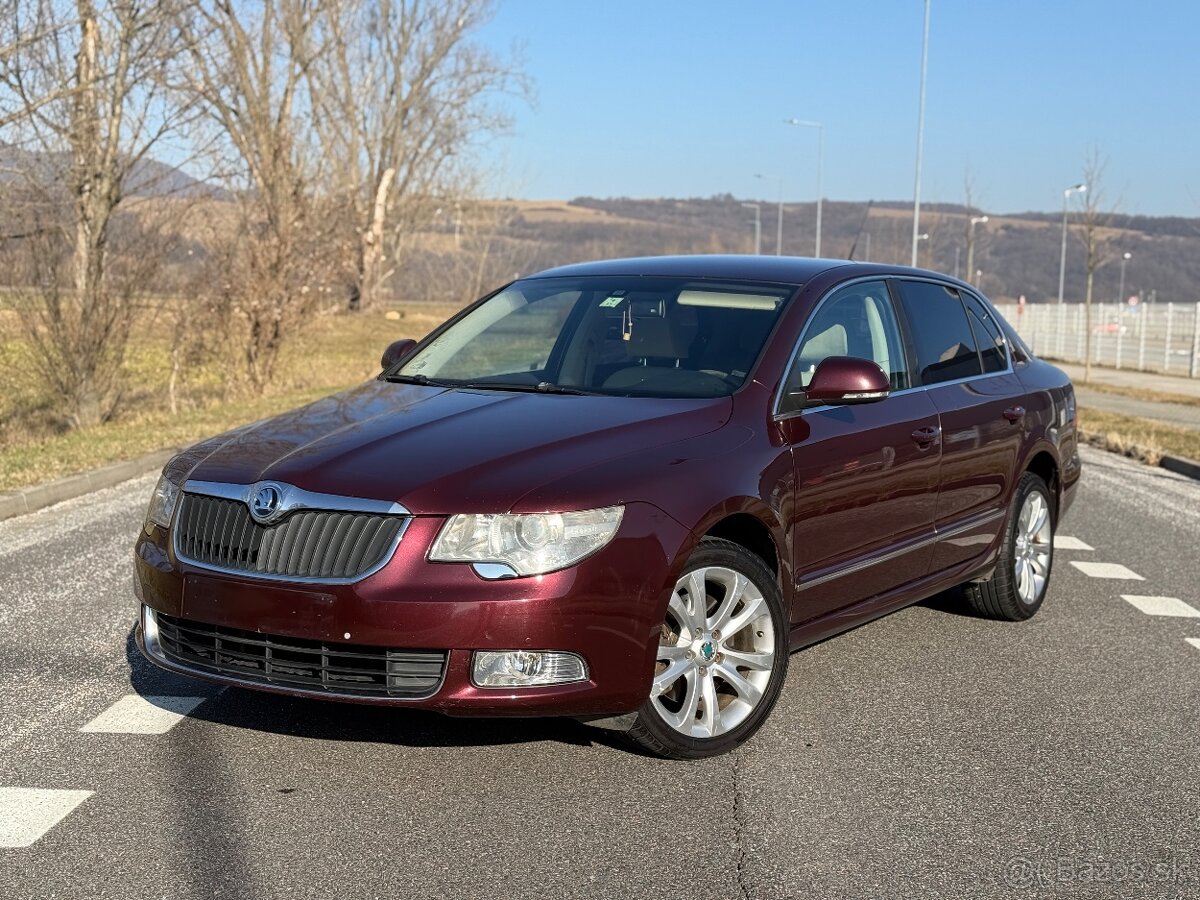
[946, 348]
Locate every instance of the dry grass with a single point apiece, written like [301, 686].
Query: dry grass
[1143, 439]
[1140, 393]
[338, 352]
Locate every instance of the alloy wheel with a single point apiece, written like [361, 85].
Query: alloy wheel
[715, 654]
[1031, 554]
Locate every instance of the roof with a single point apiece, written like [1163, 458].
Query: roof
[781, 269]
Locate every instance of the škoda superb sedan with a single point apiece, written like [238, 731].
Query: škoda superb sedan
[620, 491]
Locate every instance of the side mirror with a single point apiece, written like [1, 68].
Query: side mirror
[847, 379]
[396, 351]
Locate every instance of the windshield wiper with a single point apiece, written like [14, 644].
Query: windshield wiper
[542, 387]
[397, 378]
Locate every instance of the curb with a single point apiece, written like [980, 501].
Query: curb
[27, 500]
[1181, 465]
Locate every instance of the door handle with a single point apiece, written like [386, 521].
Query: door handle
[1014, 413]
[926, 435]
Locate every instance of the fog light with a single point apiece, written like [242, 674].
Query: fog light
[523, 668]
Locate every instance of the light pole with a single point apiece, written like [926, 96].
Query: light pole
[975, 220]
[956, 249]
[923, 236]
[920, 138]
[779, 218]
[1062, 262]
[804, 123]
[757, 226]
[1125, 257]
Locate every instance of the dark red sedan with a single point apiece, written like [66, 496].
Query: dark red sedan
[622, 490]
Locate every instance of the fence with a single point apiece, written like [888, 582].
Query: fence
[1155, 337]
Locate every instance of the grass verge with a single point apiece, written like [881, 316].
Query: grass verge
[1143, 439]
[337, 353]
[1140, 393]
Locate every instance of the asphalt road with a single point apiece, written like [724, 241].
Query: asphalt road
[928, 754]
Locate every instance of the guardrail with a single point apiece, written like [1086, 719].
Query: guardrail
[1154, 337]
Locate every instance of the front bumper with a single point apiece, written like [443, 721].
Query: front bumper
[608, 609]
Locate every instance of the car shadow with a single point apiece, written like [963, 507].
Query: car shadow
[952, 602]
[332, 720]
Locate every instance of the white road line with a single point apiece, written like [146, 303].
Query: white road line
[1195, 642]
[28, 813]
[134, 714]
[1063, 542]
[1162, 606]
[1106, 570]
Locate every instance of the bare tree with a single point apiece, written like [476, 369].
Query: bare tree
[1096, 248]
[81, 94]
[399, 94]
[249, 71]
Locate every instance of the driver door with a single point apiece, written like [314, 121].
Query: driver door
[866, 475]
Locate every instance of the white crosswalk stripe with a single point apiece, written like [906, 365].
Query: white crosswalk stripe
[1195, 642]
[1066, 542]
[1162, 606]
[28, 813]
[1106, 570]
[135, 714]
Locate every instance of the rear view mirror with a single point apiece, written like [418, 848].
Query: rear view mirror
[396, 351]
[847, 379]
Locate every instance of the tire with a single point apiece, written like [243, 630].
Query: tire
[1018, 586]
[711, 691]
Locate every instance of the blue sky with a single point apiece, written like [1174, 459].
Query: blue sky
[687, 99]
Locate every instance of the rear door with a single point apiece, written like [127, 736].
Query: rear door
[866, 474]
[963, 362]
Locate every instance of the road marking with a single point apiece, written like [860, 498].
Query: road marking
[135, 714]
[1195, 642]
[28, 813]
[1162, 606]
[1106, 570]
[1063, 542]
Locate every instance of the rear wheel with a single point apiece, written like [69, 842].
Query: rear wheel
[1018, 586]
[722, 656]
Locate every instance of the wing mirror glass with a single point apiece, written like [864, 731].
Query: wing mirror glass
[396, 351]
[847, 379]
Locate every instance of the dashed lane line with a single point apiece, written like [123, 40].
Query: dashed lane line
[28, 813]
[1162, 606]
[1065, 542]
[135, 714]
[1106, 570]
[1195, 642]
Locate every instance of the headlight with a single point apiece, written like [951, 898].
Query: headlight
[162, 503]
[529, 545]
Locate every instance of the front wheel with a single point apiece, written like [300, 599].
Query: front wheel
[1018, 586]
[722, 656]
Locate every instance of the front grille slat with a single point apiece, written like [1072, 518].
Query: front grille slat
[306, 664]
[219, 533]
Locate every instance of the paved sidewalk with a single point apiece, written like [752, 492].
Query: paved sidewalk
[1177, 414]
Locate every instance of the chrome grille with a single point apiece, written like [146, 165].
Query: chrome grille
[218, 533]
[299, 663]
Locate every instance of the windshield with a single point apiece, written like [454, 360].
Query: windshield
[621, 336]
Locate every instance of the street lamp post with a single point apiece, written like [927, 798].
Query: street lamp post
[1125, 257]
[975, 220]
[779, 216]
[916, 229]
[1062, 262]
[956, 249]
[804, 123]
[923, 236]
[757, 226]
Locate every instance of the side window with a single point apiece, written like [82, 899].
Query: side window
[992, 347]
[946, 347]
[856, 320]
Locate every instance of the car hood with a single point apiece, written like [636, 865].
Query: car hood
[440, 451]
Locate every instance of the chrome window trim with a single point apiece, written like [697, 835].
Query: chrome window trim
[889, 555]
[154, 651]
[293, 499]
[781, 417]
[787, 370]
